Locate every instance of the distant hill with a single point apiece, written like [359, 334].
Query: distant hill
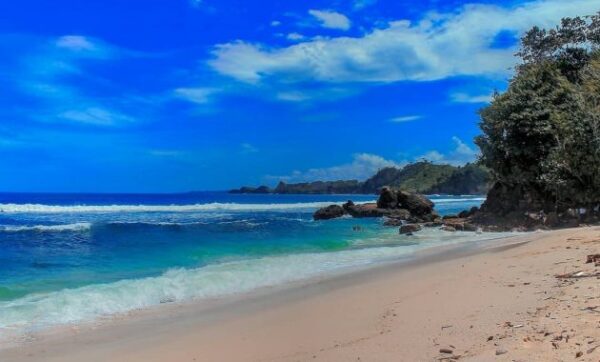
[422, 177]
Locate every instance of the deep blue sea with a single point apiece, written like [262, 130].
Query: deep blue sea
[70, 258]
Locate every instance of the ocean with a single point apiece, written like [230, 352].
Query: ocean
[72, 258]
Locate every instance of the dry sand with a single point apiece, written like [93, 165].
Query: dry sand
[500, 303]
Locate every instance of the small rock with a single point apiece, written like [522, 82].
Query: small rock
[446, 350]
[392, 222]
[329, 212]
[500, 351]
[410, 228]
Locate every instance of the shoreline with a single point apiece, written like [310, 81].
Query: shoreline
[424, 256]
[176, 332]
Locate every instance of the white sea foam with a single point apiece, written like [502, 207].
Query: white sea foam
[92, 302]
[80, 226]
[450, 200]
[40, 208]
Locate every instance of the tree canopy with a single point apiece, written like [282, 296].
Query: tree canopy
[541, 138]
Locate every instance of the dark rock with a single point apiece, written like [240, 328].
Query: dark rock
[329, 212]
[551, 219]
[463, 214]
[451, 216]
[410, 228]
[392, 222]
[364, 210]
[448, 228]
[570, 223]
[469, 227]
[401, 214]
[430, 217]
[388, 198]
[417, 204]
[433, 224]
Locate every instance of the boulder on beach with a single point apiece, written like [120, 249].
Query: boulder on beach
[329, 212]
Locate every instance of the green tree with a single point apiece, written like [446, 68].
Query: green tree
[541, 138]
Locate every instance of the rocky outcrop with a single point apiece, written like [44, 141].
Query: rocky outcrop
[319, 187]
[517, 208]
[422, 177]
[395, 205]
[252, 190]
[329, 212]
[415, 204]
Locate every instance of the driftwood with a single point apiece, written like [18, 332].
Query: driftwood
[577, 275]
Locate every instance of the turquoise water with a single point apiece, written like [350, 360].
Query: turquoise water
[74, 258]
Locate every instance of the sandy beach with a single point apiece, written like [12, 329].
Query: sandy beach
[497, 302]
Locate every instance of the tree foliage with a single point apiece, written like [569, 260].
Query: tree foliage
[542, 136]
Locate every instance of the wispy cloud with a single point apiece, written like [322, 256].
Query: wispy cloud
[96, 116]
[468, 98]
[196, 3]
[402, 119]
[55, 72]
[361, 4]
[248, 148]
[295, 36]
[363, 166]
[196, 95]
[437, 46]
[331, 19]
[459, 155]
[167, 153]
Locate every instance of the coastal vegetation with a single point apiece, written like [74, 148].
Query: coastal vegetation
[541, 138]
[422, 177]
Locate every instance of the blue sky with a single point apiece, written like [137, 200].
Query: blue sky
[166, 96]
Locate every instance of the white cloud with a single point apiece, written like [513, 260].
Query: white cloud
[293, 96]
[79, 46]
[460, 155]
[96, 116]
[247, 148]
[167, 153]
[468, 98]
[331, 19]
[361, 4]
[75, 42]
[436, 47]
[55, 73]
[195, 95]
[403, 119]
[295, 36]
[275, 23]
[363, 166]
